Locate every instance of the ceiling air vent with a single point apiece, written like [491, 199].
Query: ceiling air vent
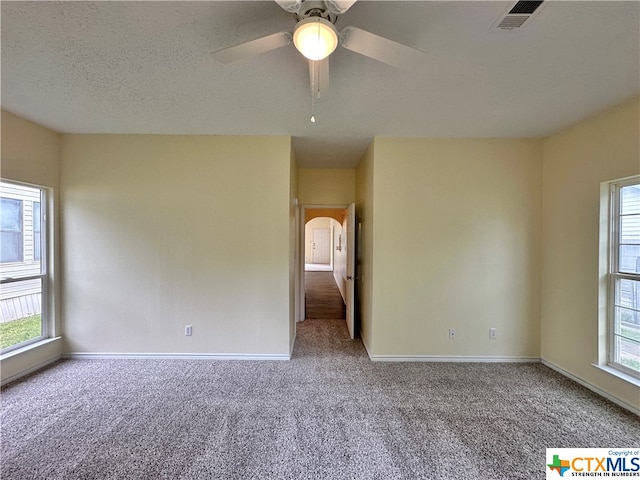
[516, 17]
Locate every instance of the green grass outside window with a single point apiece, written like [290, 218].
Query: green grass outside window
[20, 330]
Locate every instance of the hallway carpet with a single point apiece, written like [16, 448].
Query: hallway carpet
[322, 297]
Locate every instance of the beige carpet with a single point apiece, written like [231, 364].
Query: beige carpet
[329, 413]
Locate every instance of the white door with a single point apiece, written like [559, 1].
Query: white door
[351, 268]
[321, 245]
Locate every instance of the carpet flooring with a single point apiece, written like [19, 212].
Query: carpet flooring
[329, 413]
[322, 297]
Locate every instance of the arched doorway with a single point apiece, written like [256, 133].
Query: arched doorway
[322, 246]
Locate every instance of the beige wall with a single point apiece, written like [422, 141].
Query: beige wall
[31, 154]
[364, 248]
[327, 186]
[340, 256]
[294, 253]
[163, 231]
[456, 245]
[576, 160]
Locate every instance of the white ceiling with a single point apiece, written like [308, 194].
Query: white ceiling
[145, 67]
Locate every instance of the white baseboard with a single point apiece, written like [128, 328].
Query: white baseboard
[174, 356]
[593, 388]
[446, 358]
[451, 358]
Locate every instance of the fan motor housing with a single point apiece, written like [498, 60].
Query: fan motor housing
[315, 8]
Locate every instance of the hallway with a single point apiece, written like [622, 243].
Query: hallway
[322, 297]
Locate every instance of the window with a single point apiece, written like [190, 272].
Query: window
[23, 267]
[11, 240]
[624, 277]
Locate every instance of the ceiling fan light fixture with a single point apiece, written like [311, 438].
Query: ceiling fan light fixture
[315, 38]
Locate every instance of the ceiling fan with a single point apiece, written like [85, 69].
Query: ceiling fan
[316, 37]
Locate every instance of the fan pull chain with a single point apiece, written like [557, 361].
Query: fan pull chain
[313, 107]
[313, 93]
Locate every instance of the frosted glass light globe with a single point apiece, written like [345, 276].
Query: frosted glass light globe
[315, 38]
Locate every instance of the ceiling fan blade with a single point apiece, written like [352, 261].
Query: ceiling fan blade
[253, 47]
[291, 6]
[319, 75]
[339, 6]
[380, 48]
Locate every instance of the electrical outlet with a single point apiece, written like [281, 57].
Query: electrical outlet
[452, 334]
[492, 333]
[187, 330]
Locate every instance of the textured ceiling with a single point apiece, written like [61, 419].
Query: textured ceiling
[145, 67]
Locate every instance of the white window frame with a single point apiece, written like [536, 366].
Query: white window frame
[614, 274]
[43, 275]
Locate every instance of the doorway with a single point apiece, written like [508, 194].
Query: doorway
[321, 241]
[337, 270]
